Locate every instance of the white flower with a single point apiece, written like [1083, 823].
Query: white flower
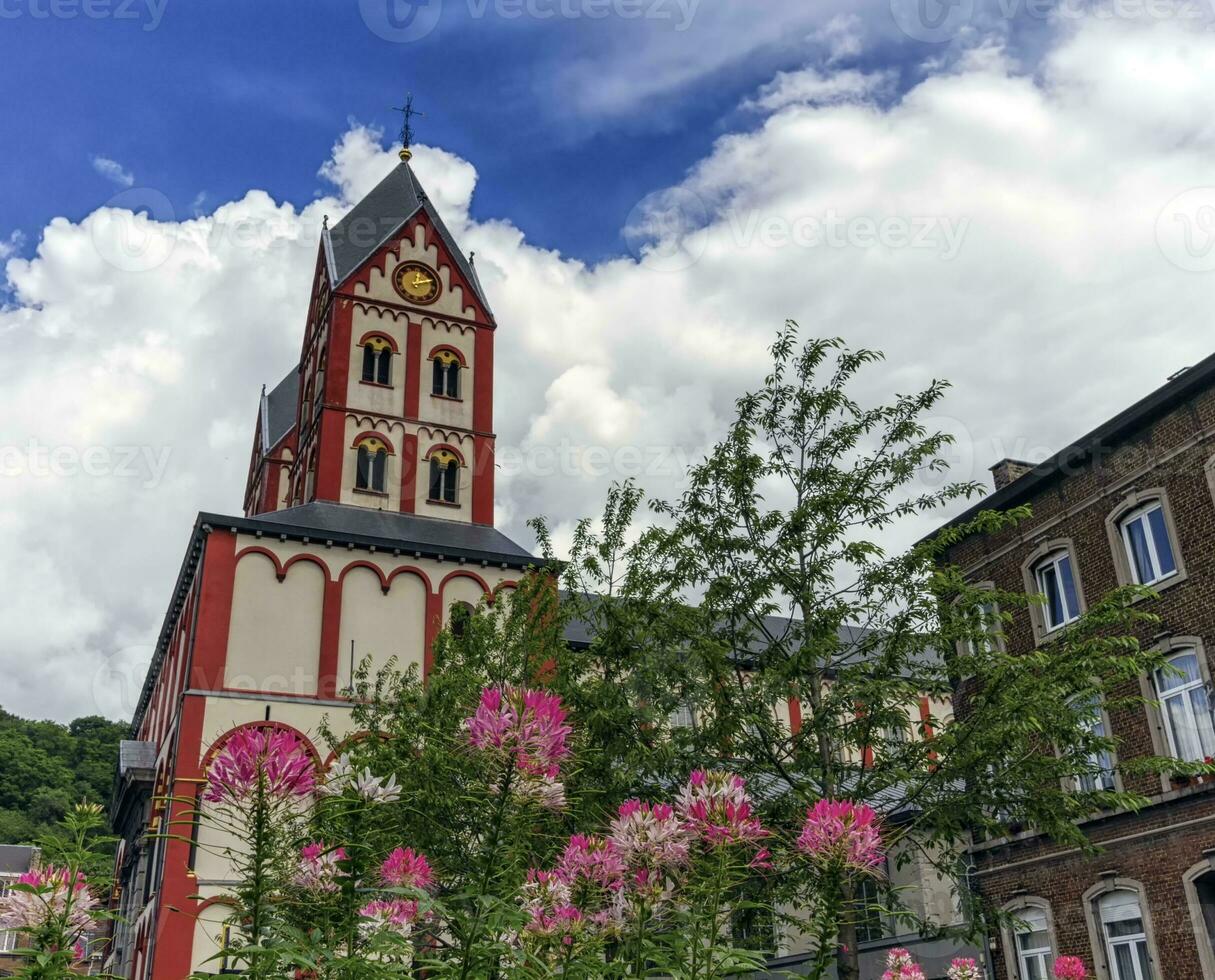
[343, 776]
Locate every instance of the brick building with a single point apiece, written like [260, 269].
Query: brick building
[1132, 501]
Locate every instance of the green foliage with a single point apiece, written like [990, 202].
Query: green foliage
[48, 767]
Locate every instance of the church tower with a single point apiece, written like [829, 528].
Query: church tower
[368, 517]
[391, 406]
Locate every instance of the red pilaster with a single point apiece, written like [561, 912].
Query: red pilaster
[483, 480]
[413, 369]
[795, 714]
[409, 472]
[330, 454]
[337, 367]
[434, 623]
[331, 622]
[214, 612]
[176, 910]
[483, 381]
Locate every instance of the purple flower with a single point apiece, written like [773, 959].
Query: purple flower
[278, 761]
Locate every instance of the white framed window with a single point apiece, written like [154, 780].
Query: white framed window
[1100, 774]
[1125, 936]
[1032, 937]
[1056, 580]
[1149, 548]
[987, 624]
[1185, 707]
[682, 717]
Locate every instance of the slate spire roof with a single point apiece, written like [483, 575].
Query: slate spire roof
[377, 217]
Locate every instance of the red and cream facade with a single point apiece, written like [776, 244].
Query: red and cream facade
[368, 516]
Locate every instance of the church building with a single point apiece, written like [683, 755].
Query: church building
[369, 515]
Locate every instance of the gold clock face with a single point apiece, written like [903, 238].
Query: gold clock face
[416, 282]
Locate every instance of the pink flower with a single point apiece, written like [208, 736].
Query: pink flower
[318, 868]
[527, 729]
[593, 860]
[1070, 968]
[46, 899]
[900, 966]
[648, 836]
[715, 806]
[405, 869]
[963, 968]
[276, 760]
[841, 834]
[397, 915]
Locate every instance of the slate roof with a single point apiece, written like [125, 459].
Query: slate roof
[1181, 387]
[378, 216]
[136, 756]
[278, 413]
[16, 858]
[407, 532]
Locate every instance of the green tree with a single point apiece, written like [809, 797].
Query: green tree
[782, 539]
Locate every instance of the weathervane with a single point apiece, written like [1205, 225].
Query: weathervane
[408, 111]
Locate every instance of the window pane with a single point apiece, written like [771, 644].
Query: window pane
[1183, 727]
[362, 480]
[436, 480]
[1185, 671]
[1069, 587]
[1205, 730]
[384, 376]
[1137, 544]
[453, 380]
[1145, 968]
[1049, 582]
[1164, 545]
[1034, 967]
[436, 385]
[368, 363]
[1124, 968]
[1124, 927]
[378, 468]
[453, 476]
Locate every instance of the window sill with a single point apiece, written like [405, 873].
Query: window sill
[372, 493]
[376, 384]
[1176, 578]
[446, 398]
[442, 503]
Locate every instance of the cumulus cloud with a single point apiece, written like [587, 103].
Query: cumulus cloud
[113, 171]
[1044, 239]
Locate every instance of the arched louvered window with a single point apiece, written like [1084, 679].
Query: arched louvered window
[377, 361]
[371, 472]
[444, 477]
[445, 374]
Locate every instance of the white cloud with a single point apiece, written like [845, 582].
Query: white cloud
[1059, 307]
[112, 170]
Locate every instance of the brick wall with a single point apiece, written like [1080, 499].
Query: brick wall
[1157, 846]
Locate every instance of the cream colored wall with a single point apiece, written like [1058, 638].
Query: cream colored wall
[451, 298]
[459, 589]
[379, 625]
[445, 411]
[373, 398]
[274, 637]
[394, 432]
[208, 928]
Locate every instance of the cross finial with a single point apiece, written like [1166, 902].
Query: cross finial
[408, 112]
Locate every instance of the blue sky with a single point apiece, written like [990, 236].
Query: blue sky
[1015, 197]
[211, 98]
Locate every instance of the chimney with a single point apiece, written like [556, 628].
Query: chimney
[1009, 471]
